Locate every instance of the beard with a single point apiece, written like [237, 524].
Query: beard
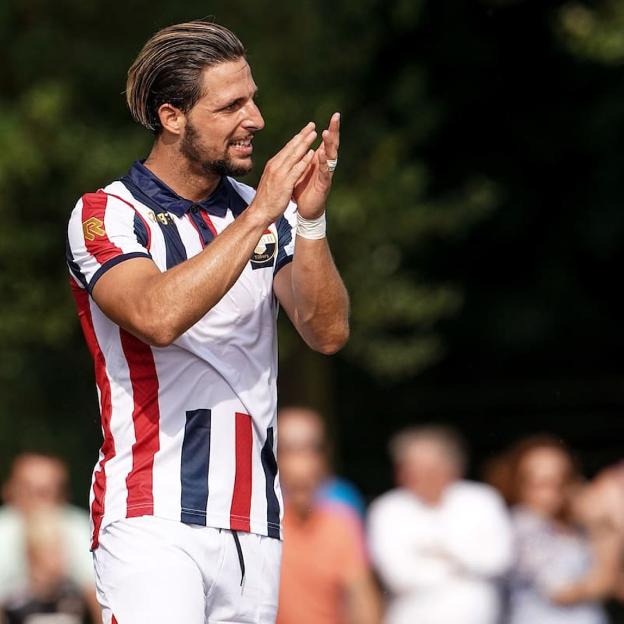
[191, 147]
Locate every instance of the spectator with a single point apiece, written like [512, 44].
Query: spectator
[338, 490]
[438, 542]
[602, 507]
[560, 572]
[48, 593]
[325, 577]
[38, 483]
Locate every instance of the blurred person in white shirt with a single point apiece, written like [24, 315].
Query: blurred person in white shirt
[37, 483]
[48, 595]
[439, 542]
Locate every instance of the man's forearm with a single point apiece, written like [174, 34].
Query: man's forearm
[363, 604]
[159, 307]
[320, 297]
[168, 303]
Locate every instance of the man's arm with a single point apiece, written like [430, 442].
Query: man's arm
[404, 544]
[476, 534]
[159, 307]
[362, 598]
[314, 297]
[600, 581]
[310, 288]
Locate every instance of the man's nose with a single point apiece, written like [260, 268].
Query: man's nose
[253, 119]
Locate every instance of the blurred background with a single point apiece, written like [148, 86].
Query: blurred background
[477, 215]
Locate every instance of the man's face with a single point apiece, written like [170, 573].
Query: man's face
[36, 482]
[301, 457]
[219, 129]
[427, 471]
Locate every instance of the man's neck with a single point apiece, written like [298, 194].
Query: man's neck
[167, 164]
[302, 513]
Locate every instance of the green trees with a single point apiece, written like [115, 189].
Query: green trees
[64, 130]
[476, 206]
[595, 32]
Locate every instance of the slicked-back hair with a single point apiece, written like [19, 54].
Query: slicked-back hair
[169, 67]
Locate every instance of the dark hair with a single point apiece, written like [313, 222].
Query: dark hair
[168, 69]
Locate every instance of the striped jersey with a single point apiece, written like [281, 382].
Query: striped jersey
[189, 429]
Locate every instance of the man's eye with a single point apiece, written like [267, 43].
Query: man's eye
[232, 107]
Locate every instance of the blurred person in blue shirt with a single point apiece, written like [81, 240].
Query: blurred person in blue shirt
[339, 490]
[333, 489]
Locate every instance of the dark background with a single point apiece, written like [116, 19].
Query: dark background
[476, 216]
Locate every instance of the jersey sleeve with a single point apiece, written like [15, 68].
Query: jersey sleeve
[286, 227]
[103, 231]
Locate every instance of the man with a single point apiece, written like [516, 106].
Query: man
[438, 542]
[325, 574]
[37, 487]
[178, 270]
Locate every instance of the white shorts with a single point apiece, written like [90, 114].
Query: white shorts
[155, 571]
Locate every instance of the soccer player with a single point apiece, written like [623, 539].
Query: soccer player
[178, 271]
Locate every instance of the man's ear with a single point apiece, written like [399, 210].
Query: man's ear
[172, 119]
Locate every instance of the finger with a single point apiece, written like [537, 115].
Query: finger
[300, 168]
[304, 180]
[322, 158]
[289, 157]
[309, 169]
[331, 137]
[301, 138]
[300, 150]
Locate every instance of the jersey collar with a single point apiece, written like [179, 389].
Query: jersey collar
[216, 204]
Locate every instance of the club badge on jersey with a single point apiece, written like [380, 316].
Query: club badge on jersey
[264, 253]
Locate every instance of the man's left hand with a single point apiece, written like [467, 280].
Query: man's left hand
[313, 187]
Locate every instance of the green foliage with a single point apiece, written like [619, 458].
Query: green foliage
[595, 32]
[476, 215]
[61, 136]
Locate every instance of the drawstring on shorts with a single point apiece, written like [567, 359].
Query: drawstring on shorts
[241, 559]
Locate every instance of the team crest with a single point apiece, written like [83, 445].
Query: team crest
[265, 251]
[92, 228]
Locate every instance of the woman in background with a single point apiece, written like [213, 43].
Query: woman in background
[566, 559]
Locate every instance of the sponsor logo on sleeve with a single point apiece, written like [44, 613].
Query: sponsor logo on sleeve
[92, 228]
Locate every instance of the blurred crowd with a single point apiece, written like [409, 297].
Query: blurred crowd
[533, 543]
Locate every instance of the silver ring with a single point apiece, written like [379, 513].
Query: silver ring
[331, 164]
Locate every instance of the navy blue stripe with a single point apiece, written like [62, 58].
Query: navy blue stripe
[194, 472]
[140, 231]
[73, 265]
[270, 473]
[174, 247]
[236, 203]
[114, 262]
[284, 238]
[204, 231]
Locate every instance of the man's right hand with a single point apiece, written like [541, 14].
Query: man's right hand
[282, 173]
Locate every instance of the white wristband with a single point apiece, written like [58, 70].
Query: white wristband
[312, 229]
